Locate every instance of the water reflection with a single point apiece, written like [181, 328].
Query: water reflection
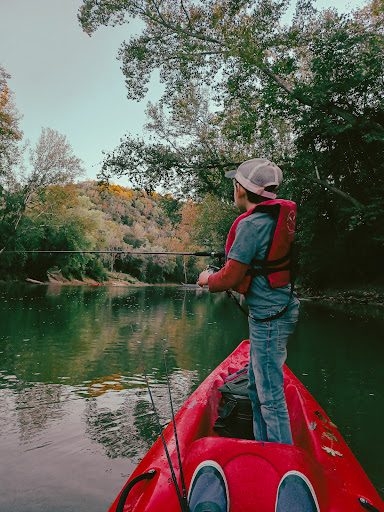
[125, 424]
[72, 389]
[84, 334]
[36, 406]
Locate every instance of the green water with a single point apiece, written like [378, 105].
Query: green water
[75, 416]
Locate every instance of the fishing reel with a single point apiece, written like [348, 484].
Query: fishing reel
[212, 269]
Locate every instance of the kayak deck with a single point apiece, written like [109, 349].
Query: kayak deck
[254, 469]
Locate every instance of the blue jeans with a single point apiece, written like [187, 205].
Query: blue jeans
[268, 352]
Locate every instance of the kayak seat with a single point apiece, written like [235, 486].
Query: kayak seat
[253, 469]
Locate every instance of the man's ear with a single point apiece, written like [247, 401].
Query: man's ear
[241, 189]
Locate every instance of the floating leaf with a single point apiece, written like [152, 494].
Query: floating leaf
[331, 451]
[327, 435]
[318, 413]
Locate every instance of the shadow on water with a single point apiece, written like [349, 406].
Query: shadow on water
[75, 416]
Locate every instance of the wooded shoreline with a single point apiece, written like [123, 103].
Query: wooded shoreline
[316, 111]
[367, 295]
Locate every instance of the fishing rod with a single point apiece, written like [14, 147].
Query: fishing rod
[182, 499]
[211, 254]
[174, 427]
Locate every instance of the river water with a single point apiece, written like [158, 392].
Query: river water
[75, 416]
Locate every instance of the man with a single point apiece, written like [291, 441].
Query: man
[258, 262]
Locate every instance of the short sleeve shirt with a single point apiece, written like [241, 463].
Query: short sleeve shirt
[251, 242]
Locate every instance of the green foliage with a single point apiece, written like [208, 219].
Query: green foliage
[171, 207]
[95, 270]
[214, 219]
[10, 133]
[86, 217]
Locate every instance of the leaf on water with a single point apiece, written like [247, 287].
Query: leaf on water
[328, 435]
[331, 451]
[318, 413]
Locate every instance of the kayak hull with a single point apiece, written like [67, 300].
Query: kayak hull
[253, 469]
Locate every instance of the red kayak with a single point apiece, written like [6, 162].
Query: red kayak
[253, 469]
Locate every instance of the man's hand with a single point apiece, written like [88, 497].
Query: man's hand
[203, 278]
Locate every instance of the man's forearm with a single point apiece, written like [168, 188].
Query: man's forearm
[228, 277]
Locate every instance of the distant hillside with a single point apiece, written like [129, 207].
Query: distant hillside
[90, 216]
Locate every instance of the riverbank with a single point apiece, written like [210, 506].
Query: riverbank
[114, 278]
[371, 294]
[367, 294]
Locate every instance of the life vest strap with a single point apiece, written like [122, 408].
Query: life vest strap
[268, 263]
[268, 318]
[267, 271]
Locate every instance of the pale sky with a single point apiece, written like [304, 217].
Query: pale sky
[70, 82]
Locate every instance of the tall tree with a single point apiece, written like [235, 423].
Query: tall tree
[10, 133]
[245, 40]
[51, 162]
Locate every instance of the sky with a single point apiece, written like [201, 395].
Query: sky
[65, 80]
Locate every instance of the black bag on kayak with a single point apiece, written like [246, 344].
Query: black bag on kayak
[235, 409]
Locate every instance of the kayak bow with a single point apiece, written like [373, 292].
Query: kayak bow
[253, 469]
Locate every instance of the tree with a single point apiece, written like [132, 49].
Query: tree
[10, 133]
[52, 162]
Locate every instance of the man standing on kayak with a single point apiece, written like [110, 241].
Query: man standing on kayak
[258, 265]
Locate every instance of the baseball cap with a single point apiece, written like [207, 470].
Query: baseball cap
[256, 175]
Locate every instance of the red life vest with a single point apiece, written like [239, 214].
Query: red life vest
[276, 262]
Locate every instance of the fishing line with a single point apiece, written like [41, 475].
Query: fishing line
[180, 498]
[174, 427]
[211, 254]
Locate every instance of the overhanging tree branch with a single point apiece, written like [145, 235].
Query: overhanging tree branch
[298, 95]
[323, 183]
[223, 165]
[177, 29]
[335, 190]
